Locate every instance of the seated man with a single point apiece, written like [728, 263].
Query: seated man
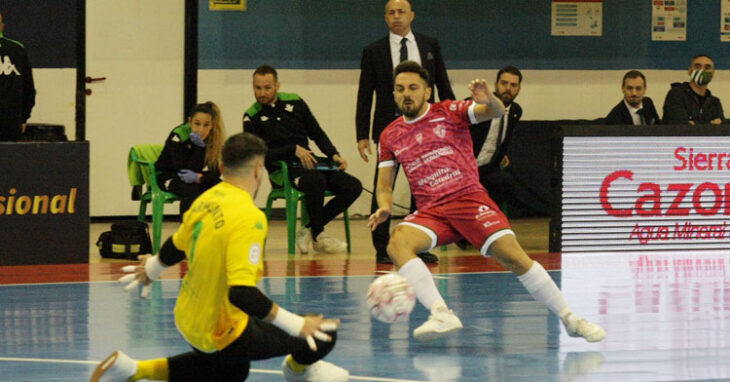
[691, 102]
[634, 109]
[285, 123]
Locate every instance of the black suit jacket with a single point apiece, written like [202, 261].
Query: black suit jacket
[377, 75]
[620, 114]
[480, 131]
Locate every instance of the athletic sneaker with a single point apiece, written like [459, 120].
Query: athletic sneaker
[117, 367]
[441, 322]
[578, 327]
[319, 371]
[304, 240]
[328, 244]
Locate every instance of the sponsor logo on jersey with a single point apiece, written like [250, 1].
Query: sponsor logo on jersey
[484, 212]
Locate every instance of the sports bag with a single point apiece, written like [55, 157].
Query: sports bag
[126, 240]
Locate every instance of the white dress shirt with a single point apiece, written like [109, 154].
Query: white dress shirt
[634, 111]
[413, 53]
[490, 143]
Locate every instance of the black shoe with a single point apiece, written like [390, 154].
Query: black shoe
[428, 257]
[463, 244]
[383, 259]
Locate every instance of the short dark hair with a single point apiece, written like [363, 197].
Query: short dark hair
[409, 66]
[266, 69]
[633, 74]
[702, 55]
[240, 149]
[511, 70]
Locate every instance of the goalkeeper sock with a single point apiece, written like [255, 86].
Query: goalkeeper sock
[153, 369]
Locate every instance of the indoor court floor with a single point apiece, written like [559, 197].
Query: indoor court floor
[665, 315]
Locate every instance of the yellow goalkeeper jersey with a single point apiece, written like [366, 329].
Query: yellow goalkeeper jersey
[223, 236]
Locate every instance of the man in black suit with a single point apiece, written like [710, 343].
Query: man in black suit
[378, 61]
[634, 109]
[491, 138]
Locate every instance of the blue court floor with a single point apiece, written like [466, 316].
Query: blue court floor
[666, 316]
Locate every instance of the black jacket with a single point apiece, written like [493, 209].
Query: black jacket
[376, 74]
[682, 105]
[480, 131]
[17, 92]
[620, 114]
[284, 126]
[180, 154]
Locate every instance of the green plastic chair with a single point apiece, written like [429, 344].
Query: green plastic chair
[145, 156]
[284, 190]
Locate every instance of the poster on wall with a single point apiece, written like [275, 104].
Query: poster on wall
[725, 21]
[227, 5]
[669, 20]
[577, 17]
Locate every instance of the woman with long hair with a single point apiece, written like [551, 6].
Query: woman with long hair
[188, 164]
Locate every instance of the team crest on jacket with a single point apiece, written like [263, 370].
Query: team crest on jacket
[289, 108]
[439, 130]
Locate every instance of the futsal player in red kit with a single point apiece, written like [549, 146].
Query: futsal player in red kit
[433, 144]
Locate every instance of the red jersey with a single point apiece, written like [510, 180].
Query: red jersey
[436, 152]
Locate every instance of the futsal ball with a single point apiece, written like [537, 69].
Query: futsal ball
[390, 298]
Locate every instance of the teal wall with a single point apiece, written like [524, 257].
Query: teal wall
[318, 34]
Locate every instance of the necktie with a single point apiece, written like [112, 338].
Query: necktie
[501, 132]
[642, 120]
[403, 50]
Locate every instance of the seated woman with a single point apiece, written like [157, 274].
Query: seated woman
[188, 164]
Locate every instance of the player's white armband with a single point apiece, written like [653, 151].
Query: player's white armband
[288, 322]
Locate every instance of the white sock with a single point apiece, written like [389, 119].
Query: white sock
[542, 288]
[421, 279]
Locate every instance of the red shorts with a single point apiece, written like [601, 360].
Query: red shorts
[474, 217]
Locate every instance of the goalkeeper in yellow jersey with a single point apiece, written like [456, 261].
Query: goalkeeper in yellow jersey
[220, 312]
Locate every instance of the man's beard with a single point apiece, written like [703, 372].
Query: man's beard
[508, 99]
[412, 113]
[634, 104]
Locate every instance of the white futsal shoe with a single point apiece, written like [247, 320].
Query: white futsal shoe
[117, 367]
[441, 322]
[319, 371]
[578, 327]
[329, 244]
[304, 240]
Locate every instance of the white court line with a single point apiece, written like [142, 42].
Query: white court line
[259, 371]
[436, 275]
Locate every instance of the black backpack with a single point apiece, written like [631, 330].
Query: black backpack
[126, 240]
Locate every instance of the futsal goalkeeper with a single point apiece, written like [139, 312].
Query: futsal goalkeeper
[220, 312]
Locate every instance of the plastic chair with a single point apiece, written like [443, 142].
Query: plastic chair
[284, 190]
[145, 157]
